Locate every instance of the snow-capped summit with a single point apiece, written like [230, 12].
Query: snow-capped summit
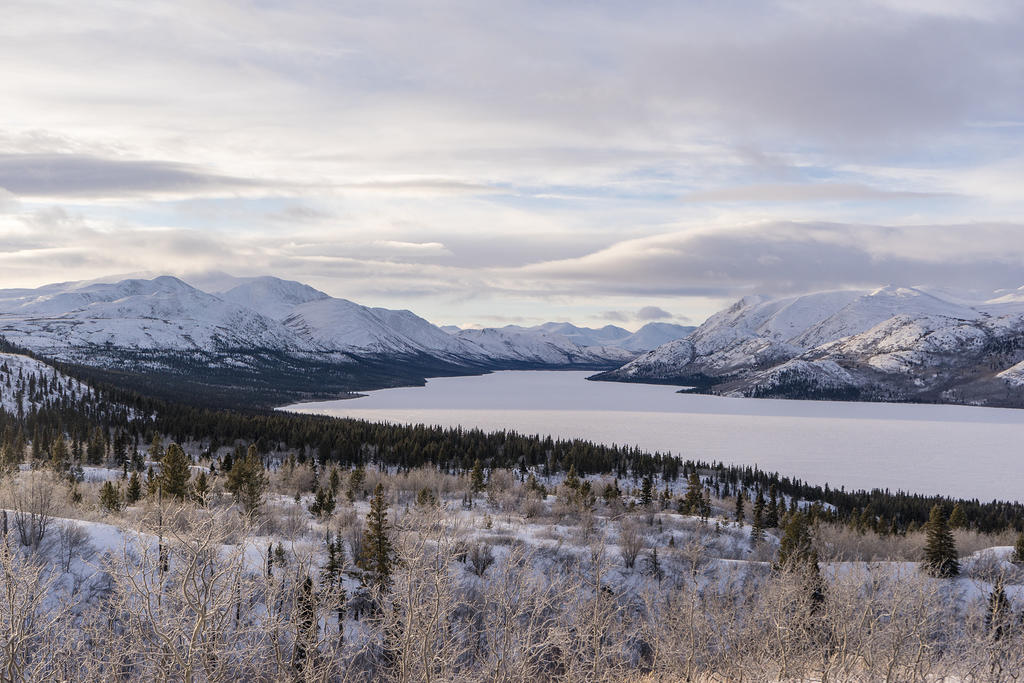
[271, 296]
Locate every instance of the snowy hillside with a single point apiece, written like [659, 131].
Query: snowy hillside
[889, 343]
[535, 347]
[275, 334]
[26, 383]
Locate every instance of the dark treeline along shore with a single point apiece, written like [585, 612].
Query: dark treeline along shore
[111, 423]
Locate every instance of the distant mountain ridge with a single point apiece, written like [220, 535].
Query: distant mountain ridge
[891, 343]
[268, 334]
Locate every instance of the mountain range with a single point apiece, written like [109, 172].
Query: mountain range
[279, 339]
[891, 343]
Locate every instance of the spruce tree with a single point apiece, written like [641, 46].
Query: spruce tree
[739, 507]
[59, 454]
[110, 497]
[201, 488]
[355, 483]
[940, 558]
[306, 626]
[796, 547]
[691, 502]
[175, 471]
[957, 518]
[999, 611]
[757, 533]
[476, 479]
[247, 481]
[376, 561]
[797, 556]
[1018, 550]
[647, 491]
[156, 449]
[771, 518]
[134, 491]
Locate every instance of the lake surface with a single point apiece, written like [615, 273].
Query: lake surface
[954, 450]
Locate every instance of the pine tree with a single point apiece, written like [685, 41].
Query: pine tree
[940, 558]
[797, 556]
[796, 546]
[1018, 550]
[355, 483]
[476, 479]
[59, 454]
[647, 491]
[426, 498]
[998, 614]
[376, 561]
[771, 518]
[248, 482]
[156, 449]
[957, 518]
[110, 497]
[134, 492]
[705, 506]
[691, 502]
[175, 471]
[201, 488]
[757, 533]
[739, 507]
[652, 565]
[306, 625]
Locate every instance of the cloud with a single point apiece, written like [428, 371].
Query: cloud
[792, 257]
[78, 175]
[615, 316]
[792, 192]
[652, 313]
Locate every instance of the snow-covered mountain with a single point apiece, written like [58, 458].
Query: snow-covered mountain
[894, 343]
[650, 336]
[517, 347]
[269, 332]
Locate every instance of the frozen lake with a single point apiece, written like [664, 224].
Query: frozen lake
[953, 450]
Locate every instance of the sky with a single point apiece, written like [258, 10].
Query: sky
[486, 163]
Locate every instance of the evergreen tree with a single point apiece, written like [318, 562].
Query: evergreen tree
[771, 518]
[355, 483]
[797, 555]
[998, 615]
[757, 533]
[156, 449]
[110, 497]
[1018, 550]
[306, 625]
[647, 491]
[59, 454]
[705, 506]
[999, 611]
[201, 488]
[957, 518]
[377, 559]
[739, 507]
[940, 558]
[247, 481]
[134, 491]
[175, 471]
[691, 502]
[652, 565]
[426, 498]
[476, 479]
